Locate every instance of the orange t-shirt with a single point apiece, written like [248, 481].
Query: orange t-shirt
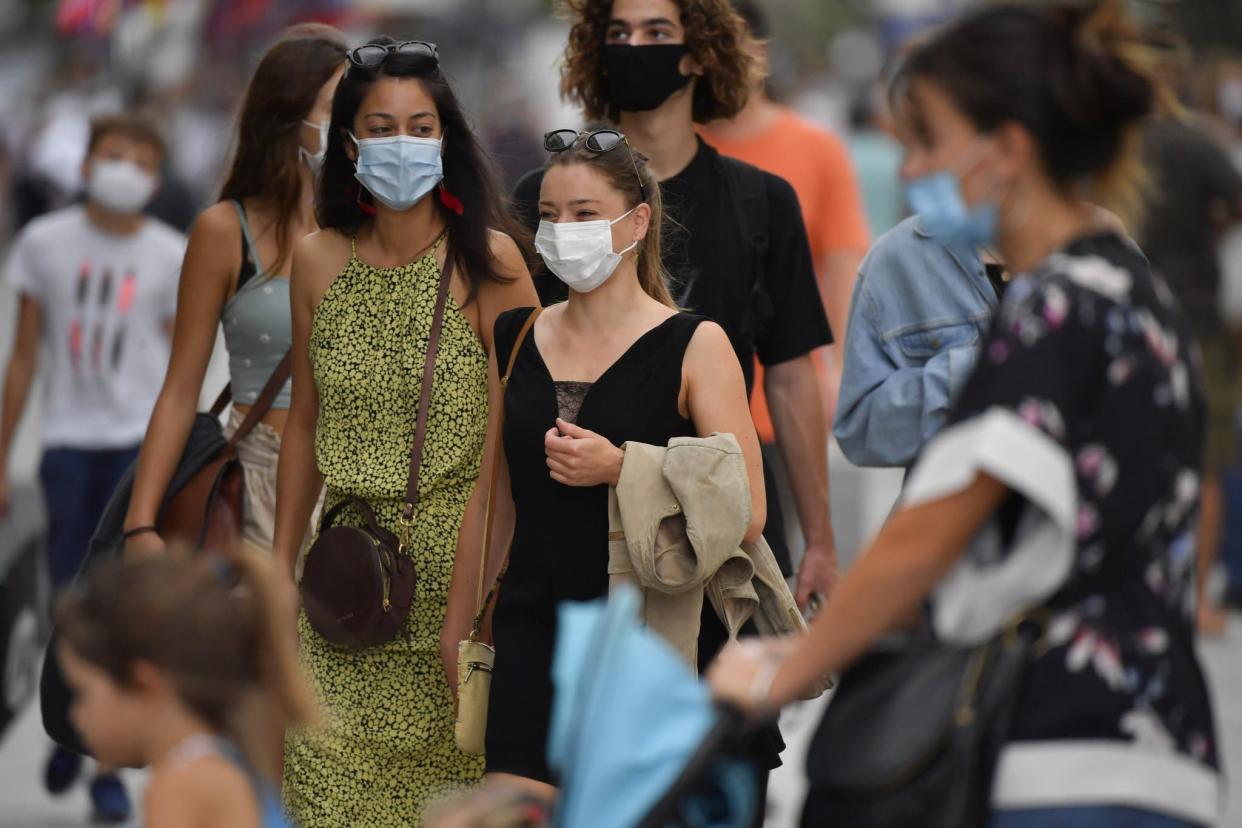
[817, 165]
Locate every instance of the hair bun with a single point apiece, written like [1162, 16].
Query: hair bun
[1108, 83]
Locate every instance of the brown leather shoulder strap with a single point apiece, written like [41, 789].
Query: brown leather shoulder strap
[267, 396]
[497, 440]
[424, 397]
[222, 401]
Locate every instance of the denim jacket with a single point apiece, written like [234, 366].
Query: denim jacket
[918, 315]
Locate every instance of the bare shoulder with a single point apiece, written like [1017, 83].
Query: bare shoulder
[210, 791]
[213, 255]
[506, 253]
[329, 244]
[217, 225]
[709, 343]
[317, 260]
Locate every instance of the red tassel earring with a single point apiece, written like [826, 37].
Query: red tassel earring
[367, 209]
[451, 201]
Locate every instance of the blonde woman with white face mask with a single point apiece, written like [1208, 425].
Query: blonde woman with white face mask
[616, 362]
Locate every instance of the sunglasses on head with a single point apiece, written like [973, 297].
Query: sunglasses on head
[597, 141]
[373, 55]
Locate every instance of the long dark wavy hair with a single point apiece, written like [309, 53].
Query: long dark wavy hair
[265, 165]
[469, 172]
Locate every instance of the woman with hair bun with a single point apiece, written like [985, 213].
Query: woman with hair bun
[1066, 482]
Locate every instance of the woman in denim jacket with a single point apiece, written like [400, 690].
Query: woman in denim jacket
[918, 314]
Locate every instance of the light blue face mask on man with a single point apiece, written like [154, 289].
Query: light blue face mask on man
[398, 171]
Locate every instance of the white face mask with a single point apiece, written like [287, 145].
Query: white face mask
[580, 252]
[314, 160]
[120, 186]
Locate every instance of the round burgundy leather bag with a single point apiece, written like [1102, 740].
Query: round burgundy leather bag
[357, 584]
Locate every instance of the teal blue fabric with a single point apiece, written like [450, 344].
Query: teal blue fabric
[258, 328]
[271, 814]
[877, 163]
[627, 719]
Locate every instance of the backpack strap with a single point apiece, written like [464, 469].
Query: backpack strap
[749, 193]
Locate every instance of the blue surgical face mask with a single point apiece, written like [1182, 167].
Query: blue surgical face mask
[398, 171]
[944, 215]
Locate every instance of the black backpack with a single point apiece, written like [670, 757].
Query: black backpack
[205, 442]
[748, 190]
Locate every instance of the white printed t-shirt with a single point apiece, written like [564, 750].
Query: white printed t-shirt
[105, 302]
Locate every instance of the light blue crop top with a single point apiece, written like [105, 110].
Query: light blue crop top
[195, 747]
[258, 330]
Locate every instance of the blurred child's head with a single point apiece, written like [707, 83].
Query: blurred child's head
[148, 646]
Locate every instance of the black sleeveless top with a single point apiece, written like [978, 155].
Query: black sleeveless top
[560, 545]
[560, 542]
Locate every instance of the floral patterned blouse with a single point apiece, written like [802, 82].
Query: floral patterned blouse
[1086, 402]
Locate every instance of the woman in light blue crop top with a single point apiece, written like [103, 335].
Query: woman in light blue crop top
[235, 277]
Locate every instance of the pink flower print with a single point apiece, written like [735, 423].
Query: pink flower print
[1053, 421]
[998, 351]
[1056, 307]
[1161, 342]
[1185, 497]
[1031, 330]
[1090, 648]
[1153, 640]
[1043, 415]
[1199, 745]
[1120, 370]
[1096, 464]
[1090, 459]
[1062, 628]
[1156, 580]
[1088, 521]
[1031, 412]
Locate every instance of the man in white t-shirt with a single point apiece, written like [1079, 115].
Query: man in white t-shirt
[97, 291]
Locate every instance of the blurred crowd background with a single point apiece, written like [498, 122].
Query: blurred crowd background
[64, 61]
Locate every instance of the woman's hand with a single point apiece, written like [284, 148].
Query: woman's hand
[743, 672]
[577, 457]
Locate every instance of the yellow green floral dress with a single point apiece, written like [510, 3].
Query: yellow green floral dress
[387, 749]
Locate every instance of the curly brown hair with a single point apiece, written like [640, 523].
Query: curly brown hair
[716, 35]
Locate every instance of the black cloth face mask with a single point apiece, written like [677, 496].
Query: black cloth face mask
[641, 78]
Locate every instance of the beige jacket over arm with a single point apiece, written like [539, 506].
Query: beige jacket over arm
[676, 521]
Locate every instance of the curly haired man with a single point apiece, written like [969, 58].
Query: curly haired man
[736, 247]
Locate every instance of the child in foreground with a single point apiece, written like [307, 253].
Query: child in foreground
[173, 663]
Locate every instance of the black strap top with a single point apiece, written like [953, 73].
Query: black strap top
[561, 536]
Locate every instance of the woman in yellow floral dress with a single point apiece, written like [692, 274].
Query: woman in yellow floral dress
[404, 183]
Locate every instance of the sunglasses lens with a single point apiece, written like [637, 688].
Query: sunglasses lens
[559, 140]
[369, 56]
[603, 141]
[418, 48]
